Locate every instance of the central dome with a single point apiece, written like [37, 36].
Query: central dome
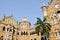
[25, 24]
[24, 19]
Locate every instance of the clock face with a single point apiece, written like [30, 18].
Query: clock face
[57, 6]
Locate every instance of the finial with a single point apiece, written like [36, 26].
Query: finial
[17, 21]
[24, 19]
[43, 4]
[4, 15]
[11, 14]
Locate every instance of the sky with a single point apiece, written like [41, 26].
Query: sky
[31, 9]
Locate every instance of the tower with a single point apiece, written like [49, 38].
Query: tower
[53, 17]
[9, 28]
[44, 9]
[23, 30]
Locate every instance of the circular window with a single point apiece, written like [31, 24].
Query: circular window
[57, 6]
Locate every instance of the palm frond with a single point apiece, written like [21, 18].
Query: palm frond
[42, 27]
[44, 20]
[39, 20]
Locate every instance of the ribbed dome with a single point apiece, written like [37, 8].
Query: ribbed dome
[24, 24]
[25, 20]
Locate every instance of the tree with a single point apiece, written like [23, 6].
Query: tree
[42, 27]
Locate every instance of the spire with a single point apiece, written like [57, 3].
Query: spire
[44, 9]
[11, 14]
[43, 4]
[4, 15]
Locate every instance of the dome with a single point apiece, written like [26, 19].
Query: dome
[24, 24]
[24, 19]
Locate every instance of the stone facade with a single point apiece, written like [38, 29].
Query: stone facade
[12, 30]
[52, 14]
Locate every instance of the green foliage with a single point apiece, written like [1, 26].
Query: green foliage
[42, 26]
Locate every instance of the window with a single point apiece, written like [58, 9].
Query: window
[24, 33]
[4, 28]
[59, 32]
[17, 33]
[21, 33]
[7, 29]
[42, 38]
[32, 33]
[45, 38]
[35, 39]
[31, 39]
[58, 11]
[10, 30]
[13, 31]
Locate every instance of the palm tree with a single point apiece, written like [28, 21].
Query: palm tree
[42, 27]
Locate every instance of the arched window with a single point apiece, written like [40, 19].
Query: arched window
[59, 32]
[42, 38]
[4, 28]
[35, 39]
[17, 33]
[24, 32]
[31, 39]
[10, 29]
[13, 31]
[58, 11]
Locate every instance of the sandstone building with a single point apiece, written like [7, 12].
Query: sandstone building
[52, 14]
[10, 29]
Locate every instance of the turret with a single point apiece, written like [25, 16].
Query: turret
[44, 9]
